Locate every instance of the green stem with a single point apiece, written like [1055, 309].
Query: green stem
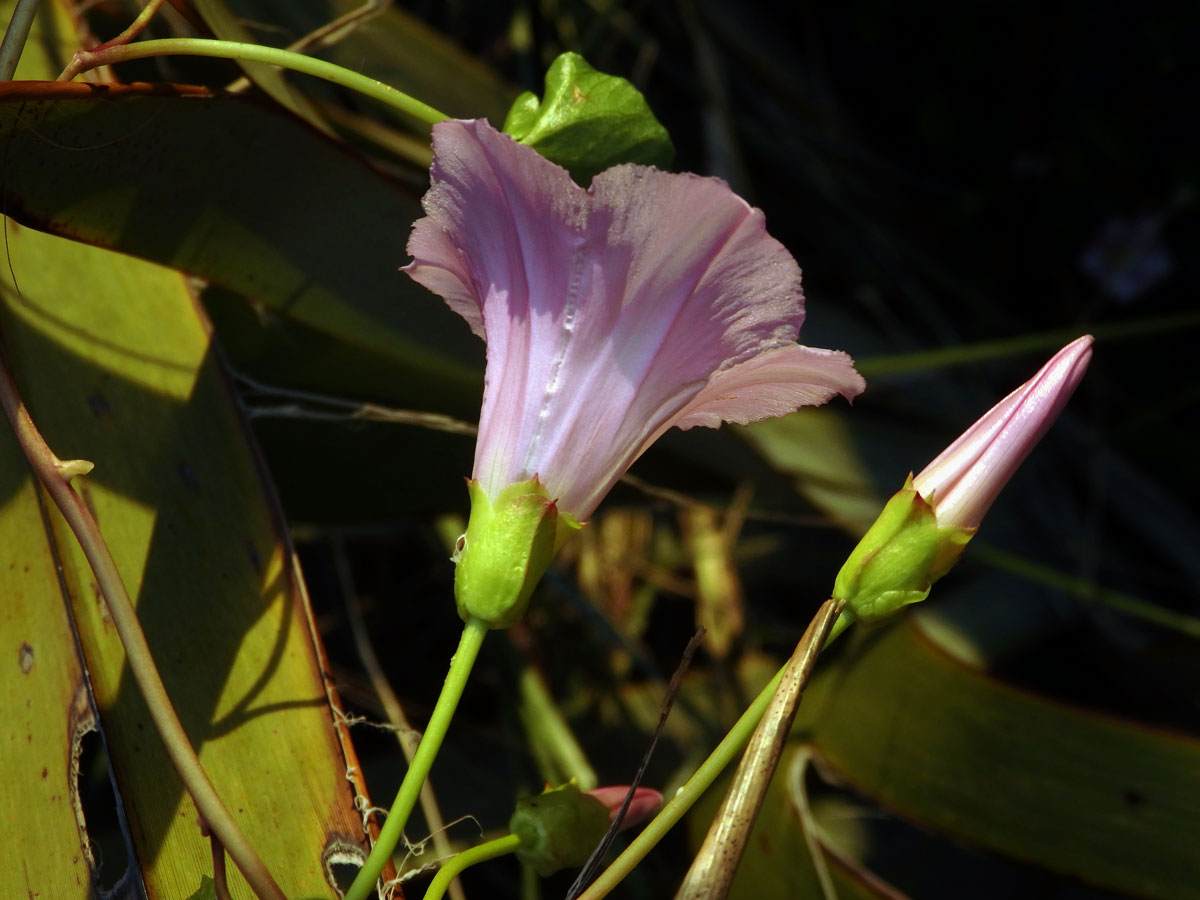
[960, 354]
[454, 866]
[274, 56]
[407, 736]
[687, 795]
[431, 742]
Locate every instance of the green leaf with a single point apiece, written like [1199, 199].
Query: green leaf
[116, 363]
[1090, 796]
[124, 374]
[248, 197]
[44, 708]
[589, 121]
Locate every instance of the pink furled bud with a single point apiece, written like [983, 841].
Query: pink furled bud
[968, 475]
[923, 529]
[648, 301]
[644, 804]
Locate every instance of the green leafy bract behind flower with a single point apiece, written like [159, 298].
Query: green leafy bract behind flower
[588, 121]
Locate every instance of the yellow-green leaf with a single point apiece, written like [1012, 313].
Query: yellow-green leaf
[117, 366]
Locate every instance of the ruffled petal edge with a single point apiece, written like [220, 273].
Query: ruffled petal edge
[774, 383]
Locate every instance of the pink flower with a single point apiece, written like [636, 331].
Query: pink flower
[611, 314]
[969, 474]
[644, 804]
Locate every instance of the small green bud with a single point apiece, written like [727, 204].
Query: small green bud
[588, 121]
[509, 542]
[559, 828]
[899, 558]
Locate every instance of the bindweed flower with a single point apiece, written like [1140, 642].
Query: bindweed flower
[560, 827]
[648, 301]
[924, 528]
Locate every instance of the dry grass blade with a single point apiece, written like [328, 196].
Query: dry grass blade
[713, 868]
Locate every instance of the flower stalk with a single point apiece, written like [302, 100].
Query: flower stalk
[457, 864]
[431, 741]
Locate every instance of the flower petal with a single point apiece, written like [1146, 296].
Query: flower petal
[771, 384]
[965, 478]
[489, 233]
[608, 312]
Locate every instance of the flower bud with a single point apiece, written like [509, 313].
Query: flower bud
[560, 827]
[923, 529]
[899, 558]
[968, 475]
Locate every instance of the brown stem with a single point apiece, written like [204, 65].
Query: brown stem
[79, 62]
[713, 868]
[220, 885]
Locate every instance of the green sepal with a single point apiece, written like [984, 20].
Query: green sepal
[509, 542]
[588, 121]
[899, 558]
[559, 828]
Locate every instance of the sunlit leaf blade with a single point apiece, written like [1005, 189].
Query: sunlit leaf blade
[117, 365]
[248, 197]
[46, 709]
[206, 891]
[1089, 796]
[44, 706]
